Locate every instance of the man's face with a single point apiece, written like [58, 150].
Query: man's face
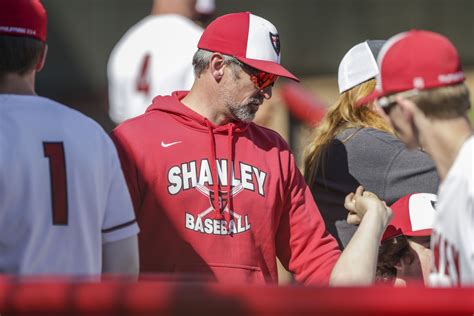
[243, 96]
[421, 266]
[414, 268]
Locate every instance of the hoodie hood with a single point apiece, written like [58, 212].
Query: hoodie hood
[172, 105]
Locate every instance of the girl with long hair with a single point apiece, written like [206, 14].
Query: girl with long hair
[354, 145]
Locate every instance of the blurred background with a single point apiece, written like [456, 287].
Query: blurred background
[314, 34]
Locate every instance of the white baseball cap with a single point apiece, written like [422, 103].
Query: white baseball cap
[413, 215]
[247, 37]
[359, 64]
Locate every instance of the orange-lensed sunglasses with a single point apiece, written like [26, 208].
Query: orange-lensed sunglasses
[261, 79]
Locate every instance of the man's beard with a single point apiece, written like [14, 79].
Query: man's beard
[246, 113]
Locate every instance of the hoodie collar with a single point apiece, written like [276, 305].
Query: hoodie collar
[172, 105]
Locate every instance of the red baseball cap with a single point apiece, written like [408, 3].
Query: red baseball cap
[412, 216]
[23, 18]
[247, 37]
[416, 59]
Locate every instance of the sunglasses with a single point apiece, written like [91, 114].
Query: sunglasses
[261, 79]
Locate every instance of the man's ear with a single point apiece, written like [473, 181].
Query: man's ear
[216, 66]
[42, 58]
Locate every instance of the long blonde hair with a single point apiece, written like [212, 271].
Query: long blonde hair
[341, 115]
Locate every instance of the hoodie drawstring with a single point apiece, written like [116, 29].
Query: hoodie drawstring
[215, 180]
[230, 162]
[215, 199]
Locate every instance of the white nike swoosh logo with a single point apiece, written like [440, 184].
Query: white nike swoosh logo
[163, 144]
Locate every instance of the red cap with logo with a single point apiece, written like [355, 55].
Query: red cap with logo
[23, 18]
[412, 216]
[416, 60]
[247, 37]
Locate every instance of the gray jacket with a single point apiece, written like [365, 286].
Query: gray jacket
[377, 160]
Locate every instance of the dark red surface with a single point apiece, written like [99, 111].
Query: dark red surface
[157, 295]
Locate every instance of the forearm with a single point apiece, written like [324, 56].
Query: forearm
[357, 263]
[121, 257]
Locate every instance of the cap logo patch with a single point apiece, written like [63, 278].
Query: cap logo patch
[275, 40]
[418, 82]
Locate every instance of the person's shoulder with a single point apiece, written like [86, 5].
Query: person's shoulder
[361, 144]
[158, 23]
[46, 108]
[73, 114]
[48, 112]
[136, 37]
[263, 134]
[151, 36]
[466, 152]
[140, 124]
[186, 33]
[70, 118]
[463, 164]
[370, 136]
[469, 145]
[145, 23]
[182, 20]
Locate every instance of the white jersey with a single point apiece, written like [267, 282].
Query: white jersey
[153, 58]
[62, 191]
[452, 240]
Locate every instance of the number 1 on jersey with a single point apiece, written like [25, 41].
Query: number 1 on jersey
[54, 151]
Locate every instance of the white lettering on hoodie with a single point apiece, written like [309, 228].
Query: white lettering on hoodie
[186, 176]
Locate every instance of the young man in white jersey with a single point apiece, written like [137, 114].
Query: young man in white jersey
[154, 57]
[64, 205]
[420, 87]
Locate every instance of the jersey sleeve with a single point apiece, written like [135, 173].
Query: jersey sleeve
[411, 171]
[303, 245]
[119, 220]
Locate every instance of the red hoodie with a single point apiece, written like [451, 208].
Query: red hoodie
[194, 220]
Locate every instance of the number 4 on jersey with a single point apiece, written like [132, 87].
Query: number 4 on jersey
[54, 151]
[143, 80]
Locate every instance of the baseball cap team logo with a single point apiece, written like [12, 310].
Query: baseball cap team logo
[207, 225]
[275, 40]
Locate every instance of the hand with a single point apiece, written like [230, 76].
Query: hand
[360, 202]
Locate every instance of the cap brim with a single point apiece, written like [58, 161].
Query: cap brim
[392, 232]
[268, 66]
[371, 97]
[419, 233]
